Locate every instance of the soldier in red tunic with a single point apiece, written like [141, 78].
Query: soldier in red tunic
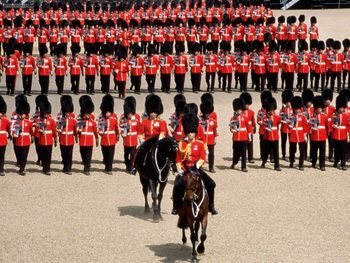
[67, 132]
[109, 131]
[329, 109]
[180, 67]
[191, 155]
[166, 66]
[151, 67]
[336, 65]
[129, 126]
[285, 113]
[106, 67]
[273, 63]
[211, 66]
[242, 64]
[87, 131]
[53, 37]
[271, 122]
[318, 126]
[47, 136]
[196, 63]
[303, 66]
[4, 134]
[320, 66]
[27, 65]
[76, 65]
[91, 65]
[136, 63]
[60, 65]
[29, 35]
[121, 70]
[313, 29]
[239, 127]
[340, 128]
[346, 63]
[11, 66]
[44, 64]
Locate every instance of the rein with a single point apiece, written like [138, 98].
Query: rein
[160, 170]
[196, 207]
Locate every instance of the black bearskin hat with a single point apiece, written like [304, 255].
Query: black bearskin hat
[271, 104]
[303, 46]
[19, 98]
[313, 20]
[196, 47]
[346, 43]
[29, 22]
[289, 46]
[313, 44]
[345, 93]
[45, 108]
[75, 49]
[122, 53]
[129, 107]
[166, 48]
[3, 107]
[336, 45]
[136, 49]
[238, 104]
[106, 49]
[61, 49]
[207, 96]
[206, 107]
[191, 108]
[247, 98]
[226, 46]
[151, 49]
[287, 96]
[321, 45]
[40, 99]
[244, 47]
[107, 104]
[18, 21]
[66, 104]
[53, 23]
[318, 102]
[23, 107]
[327, 94]
[91, 49]
[87, 107]
[43, 50]
[329, 42]
[341, 102]
[273, 46]
[180, 107]
[264, 95]
[179, 47]
[297, 102]
[281, 19]
[210, 46]
[307, 96]
[179, 97]
[190, 123]
[301, 18]
[153, 104]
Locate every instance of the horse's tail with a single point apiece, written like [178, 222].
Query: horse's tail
[182, 223]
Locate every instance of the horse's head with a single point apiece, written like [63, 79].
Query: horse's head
[167, 147]
[193, 184]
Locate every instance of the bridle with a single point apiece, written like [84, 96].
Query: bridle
[195, 206]
[156, 164]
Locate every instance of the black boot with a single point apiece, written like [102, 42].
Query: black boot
[211, 195]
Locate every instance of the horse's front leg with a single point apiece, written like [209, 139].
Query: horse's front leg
[145, 193]
[160, 196]
[184, 239]
[201, 247]
[196, 228]
[193, 240]
[155, 199]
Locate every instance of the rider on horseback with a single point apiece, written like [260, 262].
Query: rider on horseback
[191, 153]
[152, 126]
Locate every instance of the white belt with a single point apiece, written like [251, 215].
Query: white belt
[47, 132]
[228, 64]
[165, 65]
[336, 62]
[209, 132]
[242, 129]
[44, 66]
[109, 132]
[24, 134]
[260, 64]
[244, 64]
[341, 127]
[181, 65]
[304, 64]
[3, 132]
[28, 66]
[59, 66]
[105, 66]
[179, 133]
[209, 64]
[321, 127]
[195, 65]
[87, 133]
[298, 129]
[67, 133]
[132, 133]
[11, 66]
[152, 66]
[275, 64]
[273, 128]
[321, 63]
[136, 66]
[91, 66]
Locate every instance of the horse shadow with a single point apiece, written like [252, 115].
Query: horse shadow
[171, 252]
[136, 212]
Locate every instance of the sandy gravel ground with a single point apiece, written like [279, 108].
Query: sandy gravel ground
[264, 216]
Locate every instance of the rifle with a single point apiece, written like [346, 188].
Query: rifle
[174, 122]
[102, 123]
[234, 124]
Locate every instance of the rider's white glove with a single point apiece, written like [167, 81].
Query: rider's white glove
[180, 172]
[198, 165]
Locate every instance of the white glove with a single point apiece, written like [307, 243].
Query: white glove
[198, 165]
[180, 172]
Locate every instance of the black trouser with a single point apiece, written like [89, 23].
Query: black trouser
[289, 80]
[346, 75]
[90, 83]
[253, 78]
[44, 82]
[203, 46]
[179, 82]
[319, 146]
[22, 154]
[302, 81]
[210, 80]
[151, 80]
[165, 80]
[111, 45]
[189, 47]
[281, 45]
[37, 148]
[239, 151]
[98, 47]
[261, 144]
[284, 137]
[196, 81]
[271, 147]
[27, 83]
[129, 155]
[121, 88]
[272, 81]
[144, 47]
[236, 79]
[2, 158]
[74, 80]
[226, 81]
[216, 46]
[259, 82]
[59, 84]
[105, 82]
[179, 189]
[336, 76]
[339, 152]
[312, 78]
[45, 156]
[328, 76]
[250, 149]
[10, 84]
[108, 157]
[171, 45]
[67, 157]
[319, 76]
[211, 156]
[330, 147]
[157, 46]
[243, 81]
[293, 150]
[136, 82]
[86, 155]
[53, 46]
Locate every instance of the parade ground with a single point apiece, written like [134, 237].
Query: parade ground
[264, 215]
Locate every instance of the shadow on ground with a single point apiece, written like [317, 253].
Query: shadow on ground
[172, 252]
[136, 212]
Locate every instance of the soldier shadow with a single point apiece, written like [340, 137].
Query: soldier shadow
[171, 252]
[223, 167]
[136, 212]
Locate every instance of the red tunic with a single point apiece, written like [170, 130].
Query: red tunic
[303, 65]
[239, 127]
[166, 64]
[299, 128]
[121, 69]
[76, 65]
[210, 131]
[67, 131]
[302, 31]
[271, 124]
[106, 65]
[27, 65]
[318, 126]
[242, 63]
[151, 128]
[23, 135]
[136, 66]
[211, 63]
[273, 62]
[289, 62]
[285, 113]
[226, 63]
[340, 126]
[108, 130]
[87, 130]
[130, 130]
[151, 65]
[44, 65]
[11, 65]
[91, 65]
[4, 130]
[196, 63]
[60, 64]
[180, 64]
[189, 154]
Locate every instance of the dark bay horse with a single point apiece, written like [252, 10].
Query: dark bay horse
[194, 211]
[155, 170]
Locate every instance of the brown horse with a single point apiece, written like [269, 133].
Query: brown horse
[194, 211]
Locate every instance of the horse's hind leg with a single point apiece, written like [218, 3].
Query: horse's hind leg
[160, 196]
[145, 193]
[155, 199]
[193, 240]
[201, 247]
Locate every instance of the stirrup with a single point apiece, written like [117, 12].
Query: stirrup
[133, 171]
[213, 211]
[174, 211]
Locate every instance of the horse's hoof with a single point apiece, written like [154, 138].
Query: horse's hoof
[201, 248]
[147, 210]
[156, 218]
[184, 240]
[194, 259]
